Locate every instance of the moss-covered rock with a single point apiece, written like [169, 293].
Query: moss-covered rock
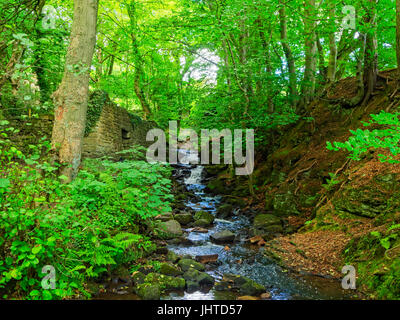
[224, 211]
[201, 278]
[186, 264]
[284, 204]
[244, 285]
[184, 218]
[169, 269]
[168, 230]
[148, 291]
[165, 282]
[202, 223]
[251, 288]
[204, 215]
[266, 220]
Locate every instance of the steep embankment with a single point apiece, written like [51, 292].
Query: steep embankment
[327, 203]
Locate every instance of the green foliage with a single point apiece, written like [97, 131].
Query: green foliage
[83, 229]
[377, 262]
[387, 137]
[331, 182]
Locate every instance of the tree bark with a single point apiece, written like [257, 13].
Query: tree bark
[293, 95]
[71, 98]
[371, 53]
[138, 62]
[331, 72]
[308, 86]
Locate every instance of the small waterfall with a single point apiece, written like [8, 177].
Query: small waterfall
[195, 176]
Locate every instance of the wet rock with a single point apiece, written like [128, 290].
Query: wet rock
[202, 223]
[225, 211]
[224, 236]
[223, 286]
[169, 270]
[204, 215]
[186, 264]
[251, 288]
[207, 258]
[244, 285]
[203, 230]
[168, 230]
[184, 218]
[201, 278]
[148, 291]
[192, 286]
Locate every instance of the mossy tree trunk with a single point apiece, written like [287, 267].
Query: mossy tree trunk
[71, 98]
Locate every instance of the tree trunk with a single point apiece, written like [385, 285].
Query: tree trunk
[331, 72]
[71, 98]
[293, 96]
[308, 86]
[138, 62]
[371, 53]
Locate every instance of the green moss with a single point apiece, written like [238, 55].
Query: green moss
[378, 268]
[96, 103]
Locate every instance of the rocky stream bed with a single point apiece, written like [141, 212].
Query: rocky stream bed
[208, 254]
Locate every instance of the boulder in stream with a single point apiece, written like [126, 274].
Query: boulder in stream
[207, 258]
[245, 286]
[204, 215]
[169, 270]
[202, 223]
[224, 236]
[186, 264]
[224, 211]
[201, 278]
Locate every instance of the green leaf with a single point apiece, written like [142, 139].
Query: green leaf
[36, 250]
[4, 183]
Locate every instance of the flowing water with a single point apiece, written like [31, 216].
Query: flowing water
[242, 259]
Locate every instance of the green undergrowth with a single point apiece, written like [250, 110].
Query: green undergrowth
[85, 229]
[377, 260]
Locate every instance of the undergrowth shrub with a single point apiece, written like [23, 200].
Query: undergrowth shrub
[84, 229]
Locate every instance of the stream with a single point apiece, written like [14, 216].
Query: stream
[253, 263]
[241, 258]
